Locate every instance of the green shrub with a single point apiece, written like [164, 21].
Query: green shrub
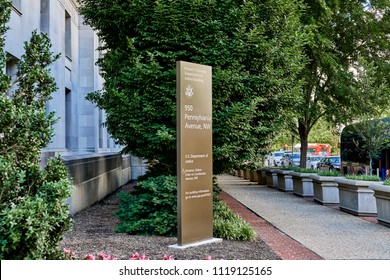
[229, 225]
[152, 210]
[329, 173]
[33, 212]
[386, 182]
[33, 217]
[363, 177]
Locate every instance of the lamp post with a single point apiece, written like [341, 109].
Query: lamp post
[292, 150]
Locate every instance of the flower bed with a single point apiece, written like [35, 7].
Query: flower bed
[68, 255]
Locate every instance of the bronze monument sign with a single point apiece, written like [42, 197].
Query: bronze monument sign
[194, 153]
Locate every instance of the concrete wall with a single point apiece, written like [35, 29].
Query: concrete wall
[95, 177]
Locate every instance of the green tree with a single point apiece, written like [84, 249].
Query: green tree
[322, 132]
[349, 62]
[33, 212]
[255, 50]
[374, 135]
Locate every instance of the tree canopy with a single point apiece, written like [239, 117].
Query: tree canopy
[375, 136]
[349, 62]
[255, 50]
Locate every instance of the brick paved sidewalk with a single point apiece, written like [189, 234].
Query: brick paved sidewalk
[284, 246]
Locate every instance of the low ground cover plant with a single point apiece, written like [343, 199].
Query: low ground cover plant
[229, 225]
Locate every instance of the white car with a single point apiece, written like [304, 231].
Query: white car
[276, 158]
[312, 161]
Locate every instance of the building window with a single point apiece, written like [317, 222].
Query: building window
[100, 129]
[68, 35]
[68, 118]
[12, 67]
[45, 12]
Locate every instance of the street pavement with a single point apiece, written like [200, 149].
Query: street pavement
[330, 233]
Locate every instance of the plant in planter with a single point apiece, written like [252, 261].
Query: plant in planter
[302, 183]
[382, 198]
[355, 195]
[325, 188]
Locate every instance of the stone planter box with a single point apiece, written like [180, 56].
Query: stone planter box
[272, 178]
[325, 189]
[382, 197]
[240, 173]
[253, 176]
[302, 184]
[356, 197]
[246, 174]
[262, 177]
[285, 182]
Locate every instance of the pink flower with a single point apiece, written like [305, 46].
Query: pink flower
[143, 258]
[66, 252]
[102, 256]
[135, 256]
[208, 258]
[89, 257]
[167, 258]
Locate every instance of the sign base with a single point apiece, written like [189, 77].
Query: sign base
[195, 244]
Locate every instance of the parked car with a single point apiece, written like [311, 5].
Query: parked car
[331, 163]
[276, 158]
[286, 158]
[291, 159]
[312, 161]
[296, 159]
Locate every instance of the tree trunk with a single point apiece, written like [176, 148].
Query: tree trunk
[303, 130]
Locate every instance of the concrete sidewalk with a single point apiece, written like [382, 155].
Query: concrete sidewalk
[326, 231]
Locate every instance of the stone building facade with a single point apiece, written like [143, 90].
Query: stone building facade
[79, 136]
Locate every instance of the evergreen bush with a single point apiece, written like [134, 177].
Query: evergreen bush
[33, 212]
[151, 209]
